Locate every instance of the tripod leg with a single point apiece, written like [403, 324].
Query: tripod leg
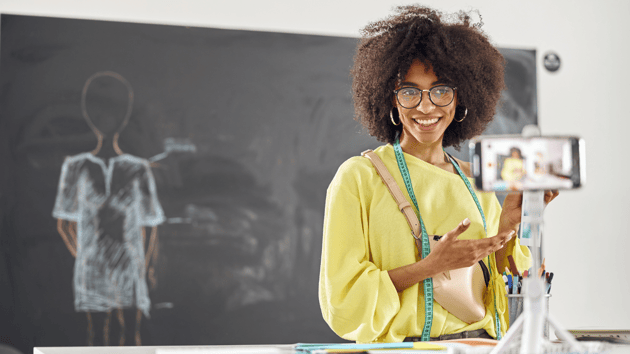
[563, 334]
[509, 336]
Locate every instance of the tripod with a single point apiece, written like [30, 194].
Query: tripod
[531, 322]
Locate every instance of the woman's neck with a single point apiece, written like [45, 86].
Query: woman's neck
[432, 153]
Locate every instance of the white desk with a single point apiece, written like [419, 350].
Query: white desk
[214, 349]
[243, 349]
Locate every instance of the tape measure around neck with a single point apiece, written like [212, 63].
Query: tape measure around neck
[428, 283]
[497, 321]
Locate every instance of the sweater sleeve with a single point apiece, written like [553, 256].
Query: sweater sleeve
[358, 300]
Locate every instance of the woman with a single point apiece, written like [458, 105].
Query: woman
[420, 84]
[513, 166]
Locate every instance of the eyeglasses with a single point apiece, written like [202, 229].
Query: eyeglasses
[410, 97]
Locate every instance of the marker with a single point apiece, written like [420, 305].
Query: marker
[505, 281]
[515, 284]
[511, 291]
[549, 282]
[525, 273]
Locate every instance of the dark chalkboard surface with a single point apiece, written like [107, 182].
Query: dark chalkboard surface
[242, 132]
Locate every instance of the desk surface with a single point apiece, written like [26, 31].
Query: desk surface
[262, 349]
[226, 349]
[215, 349]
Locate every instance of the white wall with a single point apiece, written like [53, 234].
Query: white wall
[586, 239]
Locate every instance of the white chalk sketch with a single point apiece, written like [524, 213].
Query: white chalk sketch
[105, 200]
[174, 145]
[110, 264]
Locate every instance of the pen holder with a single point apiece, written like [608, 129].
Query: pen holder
[515, 308]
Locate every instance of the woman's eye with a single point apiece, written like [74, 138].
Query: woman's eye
[410, 92]
[440, 92]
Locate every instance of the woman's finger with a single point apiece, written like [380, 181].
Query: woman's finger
[492, 244]
[504, 238]
[453, 234]
[551, 195]
[499, 241]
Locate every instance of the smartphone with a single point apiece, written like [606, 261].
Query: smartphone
[516, 163]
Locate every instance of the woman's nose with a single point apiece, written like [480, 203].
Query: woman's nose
[425, 106]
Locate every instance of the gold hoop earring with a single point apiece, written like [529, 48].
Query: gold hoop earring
[391, 116]
[461, 120]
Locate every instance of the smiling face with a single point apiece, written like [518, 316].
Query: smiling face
[425, 124]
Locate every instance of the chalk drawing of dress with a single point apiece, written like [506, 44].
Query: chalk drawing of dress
[111, 202]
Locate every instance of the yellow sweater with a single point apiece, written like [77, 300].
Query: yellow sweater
[365, 236]
[513, 169]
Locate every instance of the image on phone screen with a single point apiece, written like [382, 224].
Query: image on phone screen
[516, 164]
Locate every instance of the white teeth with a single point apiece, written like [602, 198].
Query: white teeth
[427, 122]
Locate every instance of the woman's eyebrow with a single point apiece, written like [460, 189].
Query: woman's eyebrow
[438, 82]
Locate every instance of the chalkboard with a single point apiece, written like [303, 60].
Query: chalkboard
[518, 105]
[238, 132]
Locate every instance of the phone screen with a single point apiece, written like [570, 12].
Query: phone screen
[517, 163]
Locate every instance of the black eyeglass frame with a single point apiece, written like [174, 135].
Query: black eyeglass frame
[422, 95]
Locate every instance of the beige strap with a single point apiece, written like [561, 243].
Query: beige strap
[403, 205]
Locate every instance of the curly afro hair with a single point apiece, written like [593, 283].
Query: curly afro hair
[457, 50]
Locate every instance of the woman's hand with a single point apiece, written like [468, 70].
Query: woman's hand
[452, 253]
[449, 253]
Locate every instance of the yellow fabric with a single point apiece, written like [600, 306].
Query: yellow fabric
[365, 235]
[513, 169]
